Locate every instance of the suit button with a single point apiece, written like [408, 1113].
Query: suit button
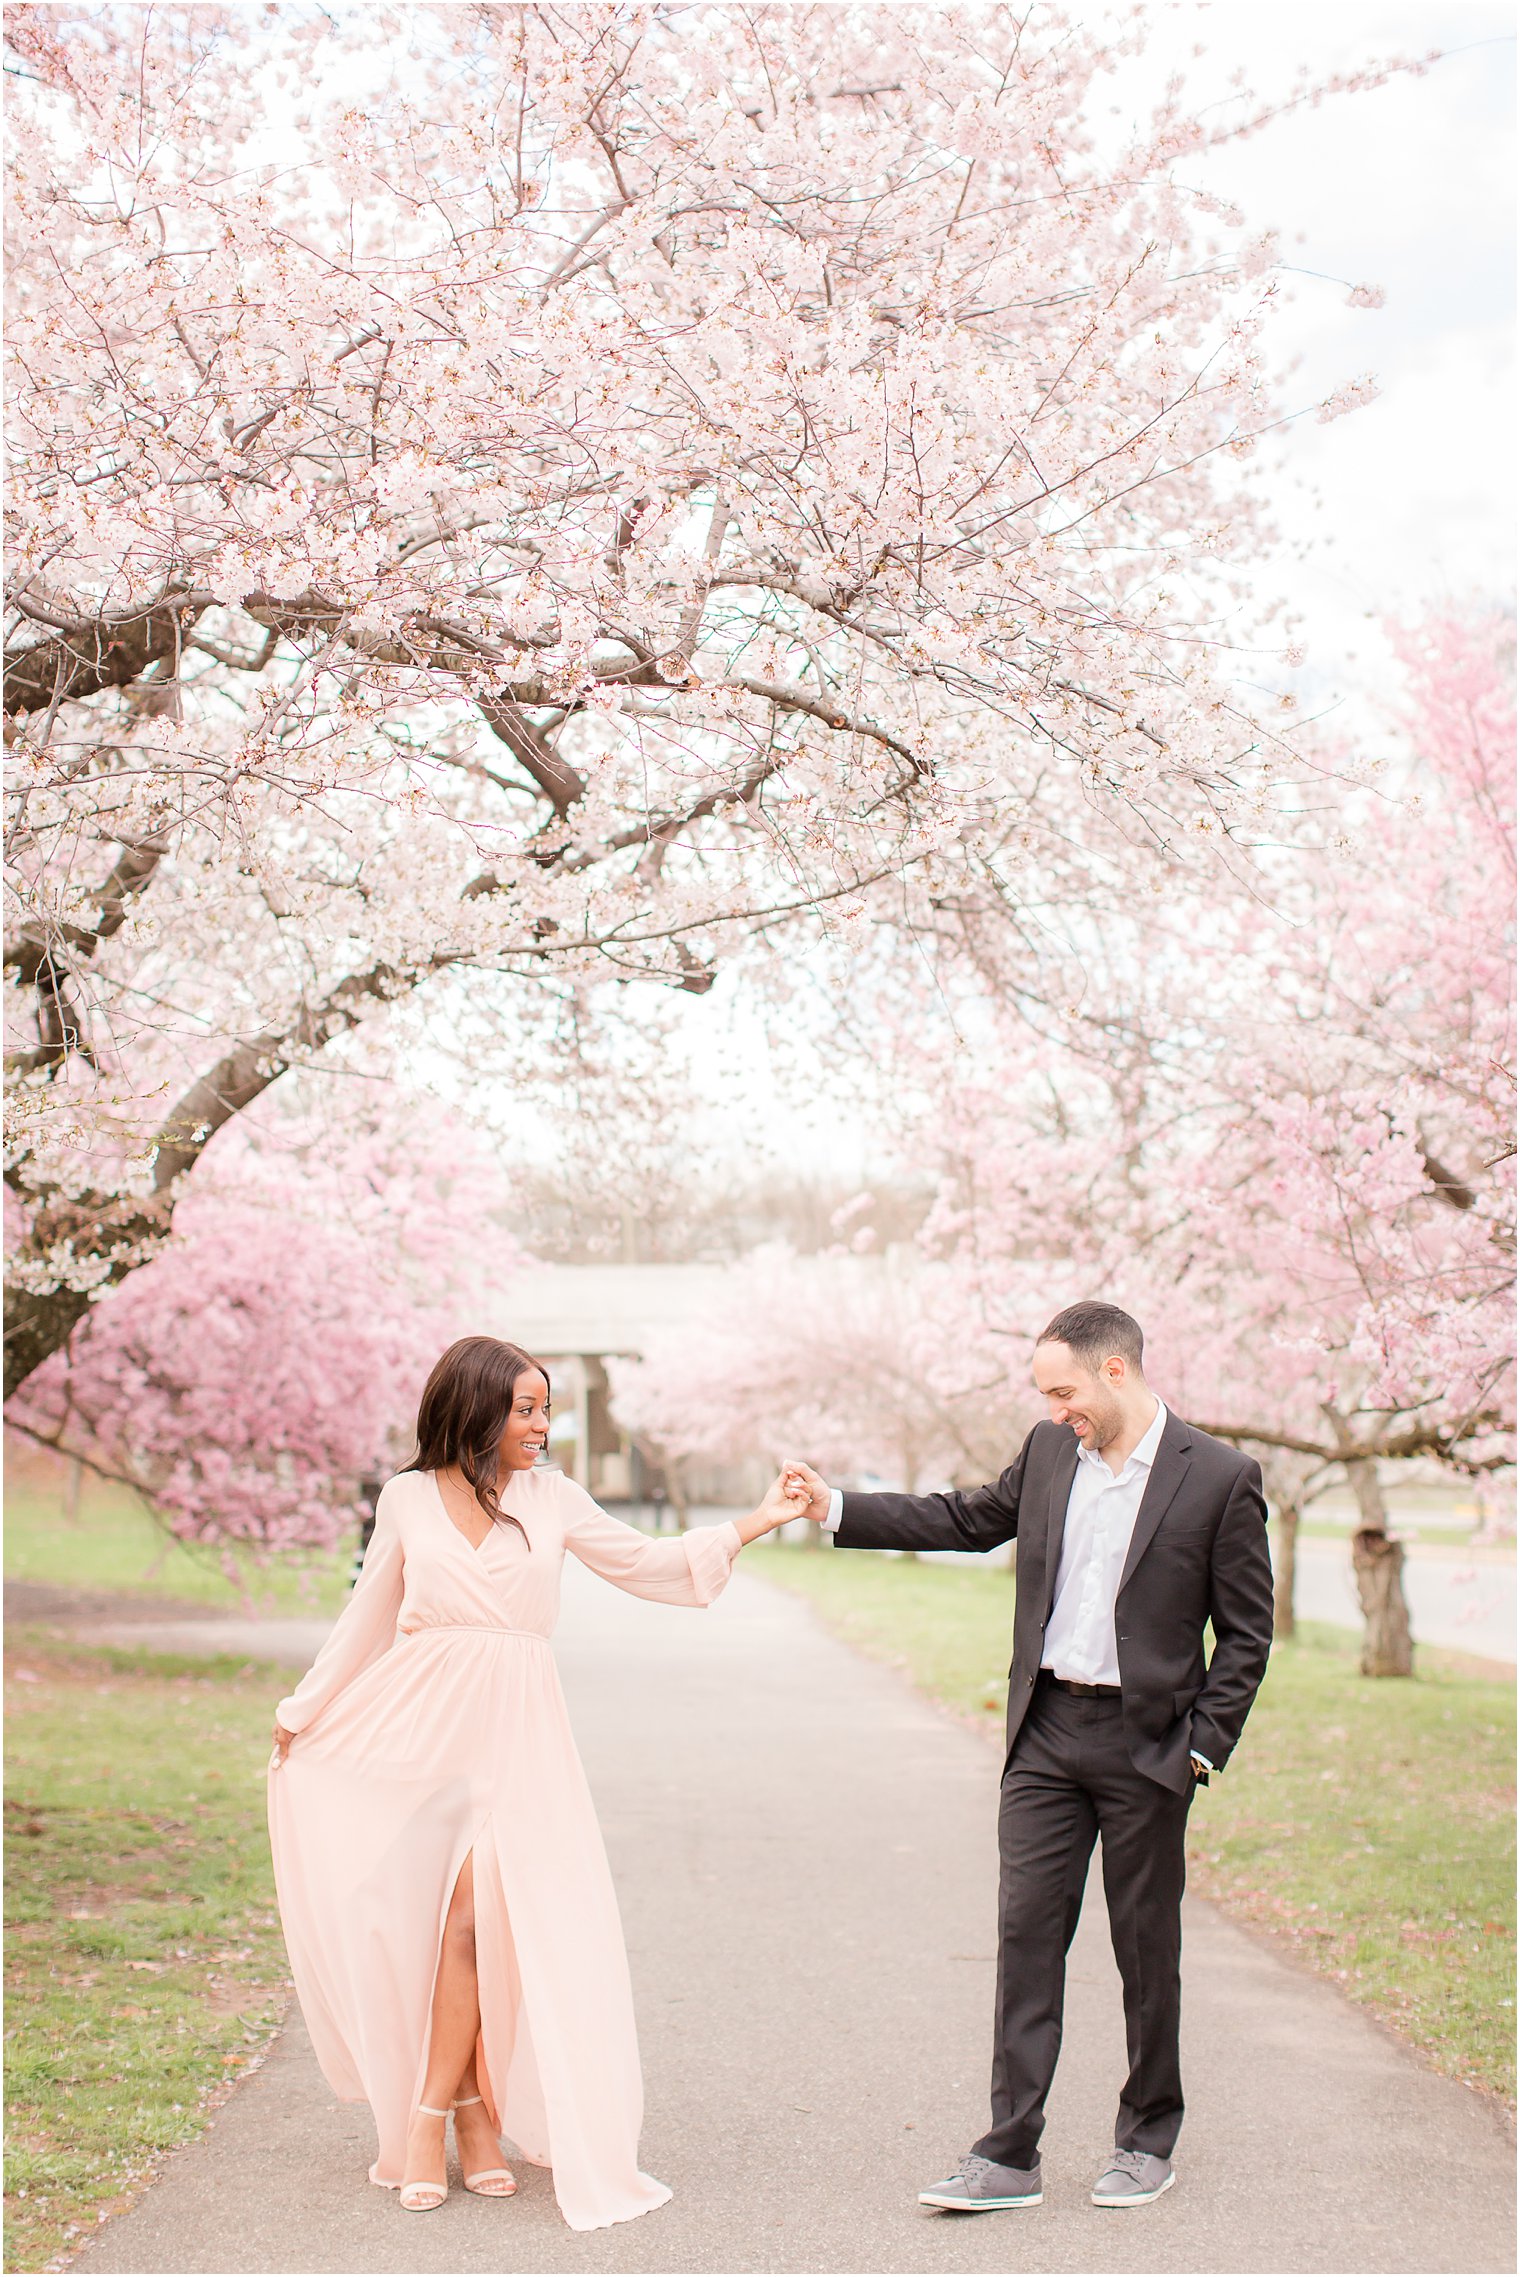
[1029, 1680]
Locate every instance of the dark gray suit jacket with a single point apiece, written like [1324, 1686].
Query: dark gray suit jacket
[1198, 1555]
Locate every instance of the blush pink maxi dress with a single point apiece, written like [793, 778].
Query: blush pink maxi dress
[432, 1725]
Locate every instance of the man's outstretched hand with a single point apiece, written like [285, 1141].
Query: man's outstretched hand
[801, 1478]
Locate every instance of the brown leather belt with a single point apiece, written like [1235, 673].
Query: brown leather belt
[1082, 1691]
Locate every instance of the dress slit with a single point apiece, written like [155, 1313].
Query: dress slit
[451, 1886]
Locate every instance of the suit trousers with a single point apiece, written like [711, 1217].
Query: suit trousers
[1068, 1780]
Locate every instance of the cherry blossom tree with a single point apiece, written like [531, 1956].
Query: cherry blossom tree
[1281, 1129]
[1269, 1112]
[517, 494]
[1292, 1484]
[269, 1359]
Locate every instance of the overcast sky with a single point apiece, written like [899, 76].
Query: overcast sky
[1410, 186]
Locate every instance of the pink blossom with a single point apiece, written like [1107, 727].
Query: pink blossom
[270, 1358]
[1349, 397]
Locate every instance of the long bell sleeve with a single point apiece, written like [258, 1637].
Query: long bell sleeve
[674, 1569]
[364, 1629]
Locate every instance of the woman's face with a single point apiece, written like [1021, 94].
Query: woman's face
[527, 1432]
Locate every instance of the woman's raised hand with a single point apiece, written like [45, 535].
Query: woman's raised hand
[784, 1500]
[777, 1507]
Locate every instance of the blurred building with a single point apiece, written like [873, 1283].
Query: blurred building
[575, 1318]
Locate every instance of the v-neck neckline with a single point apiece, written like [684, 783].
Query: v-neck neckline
[454, 1527]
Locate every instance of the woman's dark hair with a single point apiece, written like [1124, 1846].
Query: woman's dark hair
[465, 1405]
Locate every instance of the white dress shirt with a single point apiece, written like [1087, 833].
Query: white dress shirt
[1100, 1518]
[1101, 1510]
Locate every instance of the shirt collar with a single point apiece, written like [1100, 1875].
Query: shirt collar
[1142, 1456]
[1146, 1451]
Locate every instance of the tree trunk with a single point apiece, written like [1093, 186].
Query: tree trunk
[676, 1483]
[1285, 1571]
[910, 1486]
[121, 1232]
[36, 1326]
[118, 1233]
[1378, 1563]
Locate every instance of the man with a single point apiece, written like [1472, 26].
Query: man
[1134, 1532]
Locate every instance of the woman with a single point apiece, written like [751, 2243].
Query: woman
[447, 1905]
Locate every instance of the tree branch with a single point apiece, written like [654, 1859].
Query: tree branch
[41, 960]
[1392, 1446]
[555, 777]
[88, 655]
[1451, 1189]
[244, 1073]
[787, 697]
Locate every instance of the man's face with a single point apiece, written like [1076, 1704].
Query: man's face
[1087, 1399]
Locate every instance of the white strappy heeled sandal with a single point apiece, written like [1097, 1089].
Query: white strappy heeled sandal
[491, 2181]
[425, 2197]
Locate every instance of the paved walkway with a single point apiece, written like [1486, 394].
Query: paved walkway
[805, 1857]
[162, 1624]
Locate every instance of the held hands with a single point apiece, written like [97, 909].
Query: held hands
[801, 1478]
[781, 1503]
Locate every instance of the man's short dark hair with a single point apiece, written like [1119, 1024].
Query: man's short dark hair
[1094, 1333]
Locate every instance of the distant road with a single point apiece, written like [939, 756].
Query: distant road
[1464, 1604]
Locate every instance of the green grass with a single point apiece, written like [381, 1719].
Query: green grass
[948, 1627]
[1369, 1825]
[115, 1543]
[144, 1966]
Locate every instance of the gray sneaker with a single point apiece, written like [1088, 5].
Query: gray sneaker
[1132, 2178]
[981, 2186]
